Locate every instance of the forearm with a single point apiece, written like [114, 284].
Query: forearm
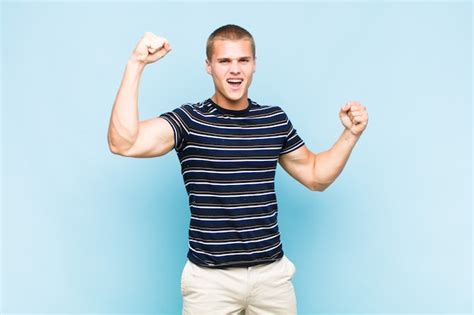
[329, 164]
[123, 127]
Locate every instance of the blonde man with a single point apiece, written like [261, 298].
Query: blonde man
[228, 146]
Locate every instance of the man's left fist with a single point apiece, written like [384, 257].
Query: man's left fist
[354, 117]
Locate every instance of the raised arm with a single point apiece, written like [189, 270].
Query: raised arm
[318, 171]
[127, 135]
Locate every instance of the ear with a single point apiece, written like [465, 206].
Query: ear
[208, 67]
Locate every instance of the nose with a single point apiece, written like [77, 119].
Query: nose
[234, 67]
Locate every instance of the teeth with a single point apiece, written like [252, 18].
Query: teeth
[234, 81]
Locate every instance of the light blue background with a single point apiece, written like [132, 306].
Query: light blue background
[87, 231]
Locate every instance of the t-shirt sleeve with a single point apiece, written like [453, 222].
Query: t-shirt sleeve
[292, 141]
[179, 122]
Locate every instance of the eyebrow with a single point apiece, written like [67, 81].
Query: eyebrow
[240, 58]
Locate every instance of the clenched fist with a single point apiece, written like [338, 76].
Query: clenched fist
[150, 48]
[354, 117]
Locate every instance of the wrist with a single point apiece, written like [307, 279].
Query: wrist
[135, 64]
[349, 136]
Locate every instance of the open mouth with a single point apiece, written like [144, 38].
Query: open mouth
[235, 83]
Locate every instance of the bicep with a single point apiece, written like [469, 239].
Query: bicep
[155, 138]
[300, 165]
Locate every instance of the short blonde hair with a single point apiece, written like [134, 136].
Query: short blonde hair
[228, 32]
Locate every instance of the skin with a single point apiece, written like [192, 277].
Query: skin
[319, 171]
[128, 136]
[231, 59]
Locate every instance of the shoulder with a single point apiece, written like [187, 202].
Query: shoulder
[189, 108]
[200, 107]
[266, 108]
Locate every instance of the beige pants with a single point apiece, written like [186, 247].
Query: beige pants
[262, 289]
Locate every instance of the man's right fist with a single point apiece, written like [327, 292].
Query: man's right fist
[150, 48]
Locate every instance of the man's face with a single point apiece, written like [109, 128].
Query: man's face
[231, 66]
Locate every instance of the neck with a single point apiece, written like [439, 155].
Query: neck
[224, 102]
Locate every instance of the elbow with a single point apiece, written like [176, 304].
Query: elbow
[120, 143]
[318, 186]
[120, 150]
[115, 149]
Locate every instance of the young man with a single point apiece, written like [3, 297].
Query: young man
[229, 146]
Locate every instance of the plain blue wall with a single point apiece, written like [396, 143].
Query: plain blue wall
[87, 231]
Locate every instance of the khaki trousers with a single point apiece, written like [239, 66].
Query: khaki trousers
[257, 290]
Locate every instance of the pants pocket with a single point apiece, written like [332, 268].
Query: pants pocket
[184, 277]
[291, 266]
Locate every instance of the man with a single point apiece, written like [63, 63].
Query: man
[229, 146]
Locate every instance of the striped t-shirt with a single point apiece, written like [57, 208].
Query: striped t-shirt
[228, 160]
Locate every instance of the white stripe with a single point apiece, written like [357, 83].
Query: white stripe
[261, 108]
[232, 149]
[230, 117]
[247, 253]
[236, 207]
[229, 160]
[236, 242]
[229, 184]
[239, 231]
[239, 219]
[291, 137]
[229, 172]
[236, 138]
[242, 195]
[289, 131]
[294, 146]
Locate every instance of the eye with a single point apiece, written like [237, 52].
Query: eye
[223, 61]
